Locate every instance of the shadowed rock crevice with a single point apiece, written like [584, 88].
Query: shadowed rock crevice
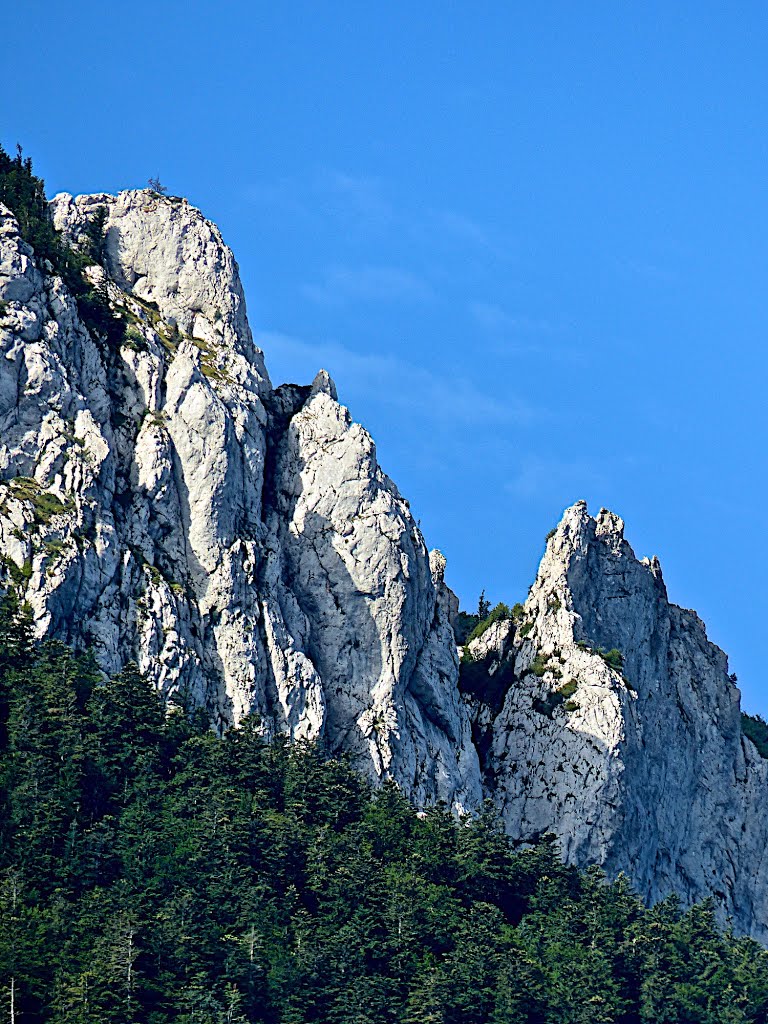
[365, 607]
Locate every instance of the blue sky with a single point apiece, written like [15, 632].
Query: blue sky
[528, 241]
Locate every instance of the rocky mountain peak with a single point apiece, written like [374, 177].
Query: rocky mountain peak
[602, 712]
[611, 600]
[164, 252]
[323, 385]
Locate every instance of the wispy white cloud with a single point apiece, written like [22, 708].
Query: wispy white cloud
[344, 196]
[365, 203]
[451, 232]
[342, 284]
[388, 380]
[541, 475]
[492, 317]
[463, 228]
[282, 195]
[520, 335]
[358, 195]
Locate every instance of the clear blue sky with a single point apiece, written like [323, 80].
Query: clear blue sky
[528, 241]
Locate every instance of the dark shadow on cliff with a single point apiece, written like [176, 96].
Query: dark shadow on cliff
[343, 640]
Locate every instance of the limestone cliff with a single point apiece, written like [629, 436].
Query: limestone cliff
[604, 714]
[162, 503]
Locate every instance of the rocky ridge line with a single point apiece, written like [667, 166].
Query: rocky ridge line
[161, 502]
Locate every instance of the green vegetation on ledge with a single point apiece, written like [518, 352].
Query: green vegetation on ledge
[614, 658]
[501, 611]
[45, 504]
[468, 627]
[755, 728]
[557, 698]
[539, 665]
[23, 192]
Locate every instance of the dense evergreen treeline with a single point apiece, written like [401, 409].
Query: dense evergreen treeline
[152, 872]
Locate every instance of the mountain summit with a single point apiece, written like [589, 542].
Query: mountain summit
[161, 503]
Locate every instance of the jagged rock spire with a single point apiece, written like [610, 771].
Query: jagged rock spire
[618, 728]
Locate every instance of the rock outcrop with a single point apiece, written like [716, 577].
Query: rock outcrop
[161, 503]
[604, 714]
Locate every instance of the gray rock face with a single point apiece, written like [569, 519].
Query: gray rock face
[365, 605]
[641, 768]
[160, 502]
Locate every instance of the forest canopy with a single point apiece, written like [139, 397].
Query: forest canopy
[151, 871]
